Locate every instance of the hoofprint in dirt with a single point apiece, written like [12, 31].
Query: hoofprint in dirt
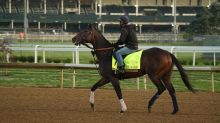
[37, 105]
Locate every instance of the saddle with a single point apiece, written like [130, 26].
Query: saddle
[132, 61]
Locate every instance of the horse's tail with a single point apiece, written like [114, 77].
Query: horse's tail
[182, 73]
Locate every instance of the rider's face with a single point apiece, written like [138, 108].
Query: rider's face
[121, 23]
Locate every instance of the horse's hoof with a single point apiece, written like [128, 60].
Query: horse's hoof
[149, 109]
[92, 106]
[174, 112]
[122, 112]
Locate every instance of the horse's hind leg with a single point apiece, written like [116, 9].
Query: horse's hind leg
[160, 87]
[100, 83]
[166, 80]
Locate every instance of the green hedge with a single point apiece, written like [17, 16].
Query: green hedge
[30, 59]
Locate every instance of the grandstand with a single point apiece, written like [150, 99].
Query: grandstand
[74, 15]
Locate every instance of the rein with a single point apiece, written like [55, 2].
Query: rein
[103, 49]
[94, 49]
[98, 49]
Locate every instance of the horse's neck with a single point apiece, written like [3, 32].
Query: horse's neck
[104, 55]
[101, 41]
[104, 58]
[99, 45]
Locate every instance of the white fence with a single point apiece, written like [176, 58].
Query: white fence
[76, 50]
[212, 70]
[62, 36]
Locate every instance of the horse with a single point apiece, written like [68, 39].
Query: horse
[155, 62]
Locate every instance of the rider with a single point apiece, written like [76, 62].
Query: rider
[128, 38]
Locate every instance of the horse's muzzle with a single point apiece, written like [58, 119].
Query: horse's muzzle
[77, 44]
[74, 40]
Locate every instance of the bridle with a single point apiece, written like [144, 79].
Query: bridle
[93, 42]
[103, 49]
[94, 50]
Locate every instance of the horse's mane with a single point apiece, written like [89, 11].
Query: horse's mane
[101, 35]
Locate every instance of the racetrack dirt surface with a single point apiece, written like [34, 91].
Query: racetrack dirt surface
[53, 105]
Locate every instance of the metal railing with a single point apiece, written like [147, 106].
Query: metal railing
[75, 50]
[61, 67]
[57, 35]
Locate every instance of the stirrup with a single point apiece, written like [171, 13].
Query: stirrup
[121, 69]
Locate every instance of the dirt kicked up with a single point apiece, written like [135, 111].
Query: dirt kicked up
[52, 105]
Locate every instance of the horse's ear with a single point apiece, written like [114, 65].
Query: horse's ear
[96, 26]
[93, 26]
[90, 26]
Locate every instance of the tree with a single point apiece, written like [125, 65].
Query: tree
[207, 22]
[215, 18]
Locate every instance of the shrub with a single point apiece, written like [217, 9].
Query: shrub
[67, 60]
[57, 61]
[208, 62]
[217, 62]
[14, 59]
[183, 62]
[30, 58]
[39, 58]
[22, 59]
[189, 62]
[49, 60]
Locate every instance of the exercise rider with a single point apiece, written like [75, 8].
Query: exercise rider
[128, 38]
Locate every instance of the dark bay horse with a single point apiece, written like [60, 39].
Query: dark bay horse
[155, 62]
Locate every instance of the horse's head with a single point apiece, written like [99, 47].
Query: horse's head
[85, 36]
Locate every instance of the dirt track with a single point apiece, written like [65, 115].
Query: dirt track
[50, 105]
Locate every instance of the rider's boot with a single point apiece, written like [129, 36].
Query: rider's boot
[121, 69]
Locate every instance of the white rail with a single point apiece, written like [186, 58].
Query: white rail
[75, 50]
[91, 66]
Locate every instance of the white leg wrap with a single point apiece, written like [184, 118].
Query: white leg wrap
[123, 105]
[92, 97]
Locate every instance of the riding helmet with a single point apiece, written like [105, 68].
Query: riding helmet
[124, 19]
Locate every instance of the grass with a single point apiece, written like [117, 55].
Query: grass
[51, 78]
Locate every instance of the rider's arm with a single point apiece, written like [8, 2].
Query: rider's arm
[123, 37]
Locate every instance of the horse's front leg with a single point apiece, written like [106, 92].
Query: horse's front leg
[116, 85]
[100, 83]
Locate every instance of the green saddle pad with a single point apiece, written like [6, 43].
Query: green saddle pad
[131, 61]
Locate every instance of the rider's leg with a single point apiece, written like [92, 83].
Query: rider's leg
[119, 53]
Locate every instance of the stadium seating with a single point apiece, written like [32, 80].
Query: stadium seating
[112, 28]
[199, 9]
[36, 10]
[129, 9]
[52, 10]
[165, 9]
[185, 19]
[156, 28]
[71, 27]
[113, 9]
[148, 11]
[1, 9]
[114, 18]
[20, 9]
[155, 10]
[186, 10]
[6, 10]
[14, 16]
[86, 9]
[111, 13]
[49, 18]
